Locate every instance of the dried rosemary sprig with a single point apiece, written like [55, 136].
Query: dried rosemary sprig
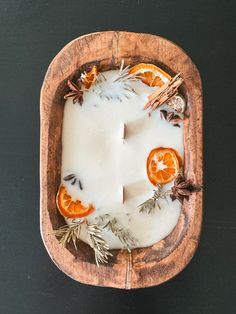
[181, 190]
[98, 244]
[124, 74]
[124, 235]
[150, 205]
[68, 233]
[123, 80]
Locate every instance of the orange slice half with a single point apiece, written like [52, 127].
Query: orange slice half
[89, 78]
[163, 165]
[69, 208]
[150, 74]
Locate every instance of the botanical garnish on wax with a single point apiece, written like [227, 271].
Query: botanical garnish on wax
[122, 81]
[164, 93]
[72, 178]
[150, 74]
[89, 78]
[71, 233]
[183, 188]
[76, 93]
[70, 208]
[114, 152]
[171, 117]
[124, 235]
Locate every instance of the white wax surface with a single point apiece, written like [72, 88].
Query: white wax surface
[94, 150]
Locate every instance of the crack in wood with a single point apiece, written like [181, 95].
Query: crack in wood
[128, 279]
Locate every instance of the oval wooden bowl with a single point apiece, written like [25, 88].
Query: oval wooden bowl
[142, 267]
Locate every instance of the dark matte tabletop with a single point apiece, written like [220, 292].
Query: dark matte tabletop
[31, 33]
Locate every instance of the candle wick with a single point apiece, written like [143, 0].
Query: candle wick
[123, 131]
[123, 194]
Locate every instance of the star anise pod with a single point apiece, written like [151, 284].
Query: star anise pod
[75, 92]
[171, 117]
[183, 188]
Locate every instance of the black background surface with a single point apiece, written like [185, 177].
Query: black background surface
[31, 33]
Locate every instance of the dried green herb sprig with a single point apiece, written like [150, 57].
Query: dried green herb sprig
[150, 205]
[123, 80]
[181, 190]
[68, 233]
[124, 74]
[98, 244]
[124, 235]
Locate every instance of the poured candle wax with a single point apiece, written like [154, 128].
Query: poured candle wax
[111, 162]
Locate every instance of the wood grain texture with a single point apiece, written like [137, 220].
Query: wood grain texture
[146, 266]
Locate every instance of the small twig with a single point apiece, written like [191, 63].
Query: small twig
[69, 177]
[80, 185]
[73, 179]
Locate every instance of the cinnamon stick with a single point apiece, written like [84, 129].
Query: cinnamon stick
[165, 92]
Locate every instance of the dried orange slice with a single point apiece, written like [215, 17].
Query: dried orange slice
[69, 208]
[163, 165]
[89, 78]
[150, 74]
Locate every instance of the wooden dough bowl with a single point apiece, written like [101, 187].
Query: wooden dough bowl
[142, 267]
